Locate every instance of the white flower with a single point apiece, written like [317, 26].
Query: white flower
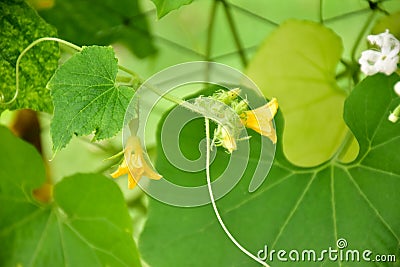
[387, 42]
[386, 59]
[393, 118]
[397, 88]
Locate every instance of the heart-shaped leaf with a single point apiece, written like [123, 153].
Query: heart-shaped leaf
[296, 208]
[87, 224]
[86, 97]
[297, 65]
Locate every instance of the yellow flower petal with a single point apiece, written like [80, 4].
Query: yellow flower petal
[131, 181]
[260, 119]
[134, 164]
[148, 172]
[122, 169]
[138, 164]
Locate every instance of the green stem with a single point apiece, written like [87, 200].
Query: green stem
[234, 31]
[344, 146]
[224, 228]
[321, 18]
[130, 72]
[123, 79]
[361, 36]
[120, 153]
[341, 75]
[29, 47]
[345, 63]
[210, 30]
[166, 96]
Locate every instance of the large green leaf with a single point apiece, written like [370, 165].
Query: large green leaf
[166, 6]
[297, 65]
[20, 26]
[295, 208]
[86, 97]
[87, 224]
[103, 22]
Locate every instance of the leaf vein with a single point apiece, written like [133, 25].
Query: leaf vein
[371, 205]
[292, 212]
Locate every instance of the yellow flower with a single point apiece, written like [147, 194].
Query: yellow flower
[260, 119]
[135, 164]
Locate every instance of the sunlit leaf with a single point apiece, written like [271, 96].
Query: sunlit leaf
[297, 65]
[87, 224]
[295, 208]
[86, 97]
[166, 6]
[20, 26]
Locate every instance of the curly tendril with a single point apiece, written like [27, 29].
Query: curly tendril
[29, 47]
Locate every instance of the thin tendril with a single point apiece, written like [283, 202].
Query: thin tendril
[207, 122]
[78, 48]
[19, 61]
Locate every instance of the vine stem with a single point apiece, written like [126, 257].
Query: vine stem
[174, 99]
[29, 47]
[245, 251]
[345, 145]
[361, 36]
[210, 30]
[234, 31]
[320, 12]
[166, 96]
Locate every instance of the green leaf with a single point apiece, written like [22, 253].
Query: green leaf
[86, 97]
[20, 26]
[86, 225]
[166, 6]
[297, 65]
[102, 23]
[295, 208]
